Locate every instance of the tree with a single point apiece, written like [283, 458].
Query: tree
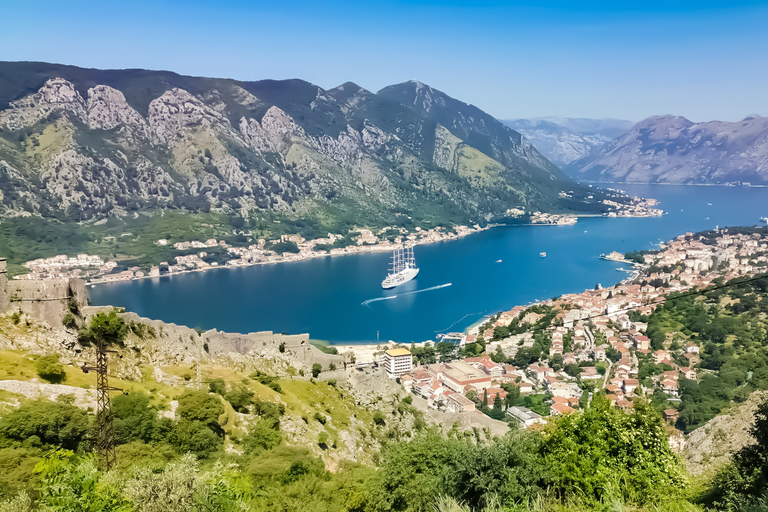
[572, 369]
[48, 423]
[108, 327]
[446, 350]
[199, 406]
[264, 435]
[49, 368]
[218, 386]
[589, 452]
[498, 356]
[316, 369]
[497, 403]
[241, 398]
[135, 419]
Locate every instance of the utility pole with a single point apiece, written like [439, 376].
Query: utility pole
[105, 442]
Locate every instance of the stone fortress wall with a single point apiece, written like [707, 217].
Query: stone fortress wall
[50, 300]
[46, 300]
[183, 345]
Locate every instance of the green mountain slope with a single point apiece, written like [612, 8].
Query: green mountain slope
[87, 145]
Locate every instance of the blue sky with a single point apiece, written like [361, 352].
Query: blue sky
[704, 60]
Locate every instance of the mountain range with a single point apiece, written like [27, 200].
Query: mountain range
[673, 149]
[85, 145]
[563, 140]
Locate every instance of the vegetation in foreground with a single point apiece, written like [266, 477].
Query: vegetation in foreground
[600, 459]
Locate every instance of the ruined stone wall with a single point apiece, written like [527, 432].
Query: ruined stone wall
[171, 342]
[5, 302]
[46, 300]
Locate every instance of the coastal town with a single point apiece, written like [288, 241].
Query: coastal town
[549, 358]
[197, 255]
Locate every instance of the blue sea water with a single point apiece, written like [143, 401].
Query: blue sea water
[340, 299]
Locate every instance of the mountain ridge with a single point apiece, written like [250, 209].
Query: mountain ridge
[673, 149]
[97, 145]
[564, 140]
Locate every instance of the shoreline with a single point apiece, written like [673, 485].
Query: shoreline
[365, 249]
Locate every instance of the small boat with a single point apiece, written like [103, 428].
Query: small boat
[498, 261]
[403, 268]
[543, 254]
[764, 219]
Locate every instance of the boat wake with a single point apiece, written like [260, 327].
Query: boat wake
[390, 297]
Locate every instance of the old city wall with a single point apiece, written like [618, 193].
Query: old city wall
[5, 302]
[183, 345]
[47, 300]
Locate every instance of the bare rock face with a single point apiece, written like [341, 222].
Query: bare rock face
[57, 95]
[445, 148]
[148, 142]
[176, 112]
[107, 109]
[280, 128]
[712, 445]
[672, 149]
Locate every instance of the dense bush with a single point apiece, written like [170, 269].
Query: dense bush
[43, 423]
[241, 398]
[202, 407]
[49, 368]
[105, 326]
[136, 420]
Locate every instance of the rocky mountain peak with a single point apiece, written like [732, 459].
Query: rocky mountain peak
[673, 149]
[149, 140]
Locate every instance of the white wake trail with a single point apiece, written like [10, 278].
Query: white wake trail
[366, 302]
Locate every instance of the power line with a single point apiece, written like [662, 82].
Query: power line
[105, 440]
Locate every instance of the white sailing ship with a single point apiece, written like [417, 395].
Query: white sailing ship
[403, 268]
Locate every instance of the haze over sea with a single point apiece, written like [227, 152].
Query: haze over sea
[340, 299]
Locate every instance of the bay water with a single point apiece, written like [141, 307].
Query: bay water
[339, 299]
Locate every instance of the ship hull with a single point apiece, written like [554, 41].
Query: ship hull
[401, 277]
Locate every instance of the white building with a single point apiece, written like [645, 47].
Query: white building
[398, 361]
[524, 416]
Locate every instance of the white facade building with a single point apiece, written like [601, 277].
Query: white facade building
[398, 361]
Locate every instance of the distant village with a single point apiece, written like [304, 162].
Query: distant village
[195, 258]
[595, 340]
[94, 269]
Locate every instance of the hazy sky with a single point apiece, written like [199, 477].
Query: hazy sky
[623, 59]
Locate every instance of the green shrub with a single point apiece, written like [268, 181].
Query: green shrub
[199, 406]
[267, 380]
[196, 437]
[264, 435]
[320, 418]
[50, 423]
[241, 398]
[69, 321]
[136, 420]
[322, 438]
[218, 386]
[108, 327]
[378, 418]
[316, 369]
[49, 368]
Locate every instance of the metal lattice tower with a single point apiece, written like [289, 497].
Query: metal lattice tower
[105, 442]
